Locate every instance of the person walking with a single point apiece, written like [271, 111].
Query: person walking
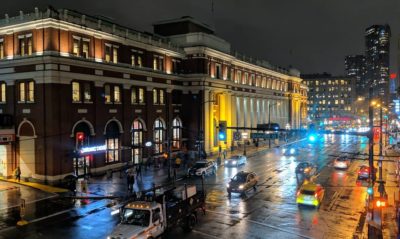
[17, 174]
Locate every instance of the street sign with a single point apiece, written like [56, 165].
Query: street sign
[237, 136]
[260, 136]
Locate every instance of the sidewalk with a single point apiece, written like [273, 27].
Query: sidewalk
[389, 224]
[42, 187]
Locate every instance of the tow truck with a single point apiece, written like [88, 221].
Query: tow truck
[154, 214]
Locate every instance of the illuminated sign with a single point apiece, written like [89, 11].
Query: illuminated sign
[94, 149]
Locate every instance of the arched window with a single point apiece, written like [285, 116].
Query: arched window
[158, 136]
[176, 133]
[137, 141]
[112, 142]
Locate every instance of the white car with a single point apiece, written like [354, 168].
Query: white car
[236, 160]
[203, 168]
[341, 162]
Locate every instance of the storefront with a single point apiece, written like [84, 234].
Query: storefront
[82, 159]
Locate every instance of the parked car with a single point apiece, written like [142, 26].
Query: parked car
[310, 194]
[242, 182]
[235, 161]
[306, 168]
[203, 168]
[341, 162]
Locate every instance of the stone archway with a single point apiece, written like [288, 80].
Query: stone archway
[26, 148]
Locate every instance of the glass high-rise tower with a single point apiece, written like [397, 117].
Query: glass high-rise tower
[377, 42]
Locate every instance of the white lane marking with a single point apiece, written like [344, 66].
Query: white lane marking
[261, 224]
[52, 215]
[205, 234]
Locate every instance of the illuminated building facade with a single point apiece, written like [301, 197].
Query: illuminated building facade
[355, 67]
[330, 98]
[83, 95]
[377, 42]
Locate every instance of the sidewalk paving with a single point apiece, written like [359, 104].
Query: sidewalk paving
[42, 187]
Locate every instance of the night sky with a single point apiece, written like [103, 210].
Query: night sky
[311, 35]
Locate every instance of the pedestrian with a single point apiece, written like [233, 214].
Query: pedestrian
[130, 179]
[224, 154]
[139, 171]
[17, 174]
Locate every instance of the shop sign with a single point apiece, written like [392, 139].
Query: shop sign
[93, 149]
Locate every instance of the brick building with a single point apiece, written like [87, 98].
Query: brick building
[81, 94]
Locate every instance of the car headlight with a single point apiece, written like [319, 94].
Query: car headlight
[227, 185]
[234, 162]
[226, 161]
[241, 186]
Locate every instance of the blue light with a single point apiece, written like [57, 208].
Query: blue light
[311, 138]
[370, 191]
[221, 136]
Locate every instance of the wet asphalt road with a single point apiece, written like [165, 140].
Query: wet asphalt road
[268, 212]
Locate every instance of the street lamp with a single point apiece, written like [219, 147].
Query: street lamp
[269, 121]
[148, 145]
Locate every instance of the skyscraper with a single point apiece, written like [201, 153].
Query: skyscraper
[355, 67]
[377, 59]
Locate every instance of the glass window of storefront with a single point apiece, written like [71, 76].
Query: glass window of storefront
[158, 136]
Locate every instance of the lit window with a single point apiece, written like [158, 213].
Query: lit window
[87, 94]
[31, 91]
[139, 61]
[26, 91]
[141, 95]
[85, 49]
[107, 94]
[76, 47]
[22, 92]
[2, 92]
[161, 97]
[133, 96]
[115, 54]
[1, 49]
[108, 53]
[117, 94]
[76, 92]
[132, 60]
[155, 98]
[238, 78]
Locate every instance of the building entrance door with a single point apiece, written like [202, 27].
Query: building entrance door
[82, 165]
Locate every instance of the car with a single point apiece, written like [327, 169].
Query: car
[306, 168]
[236, 160]
[242, 182]
[341, 162]
[203, 168]
[290, 151]
[363, 172]
[310, 194]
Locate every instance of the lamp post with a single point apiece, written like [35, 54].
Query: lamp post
[148, 145]
[269, 121]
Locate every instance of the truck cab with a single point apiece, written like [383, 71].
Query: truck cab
[142, 220]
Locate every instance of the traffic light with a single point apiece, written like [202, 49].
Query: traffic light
[312, 137]
[222, 130]
[380, 203]
[370, 190]
[80, 137]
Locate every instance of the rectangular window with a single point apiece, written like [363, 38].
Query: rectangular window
[115, 54]
[238, 77]
[29, 43]
[133, 96]
[107, 94]
[141, 95]
[85, 49]
[155, 97]
[117, 94]
[31, 91]
[87, 94]
[76, 47]
[161, 97]
[76, 92]
[3, 92]
[133, 60]
[22, 46]
[155, 63]
[218, 71]
[1, 49]
[233, 75]
[161, 63]
[108, 53]
[22, 92]
[139, 61]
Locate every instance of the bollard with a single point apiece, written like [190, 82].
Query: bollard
[22, 222]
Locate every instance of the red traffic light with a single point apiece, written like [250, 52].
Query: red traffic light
[80, 136]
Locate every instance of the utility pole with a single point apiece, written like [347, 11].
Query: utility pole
[371, 155]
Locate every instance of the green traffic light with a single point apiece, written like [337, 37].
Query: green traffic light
[370, 191]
